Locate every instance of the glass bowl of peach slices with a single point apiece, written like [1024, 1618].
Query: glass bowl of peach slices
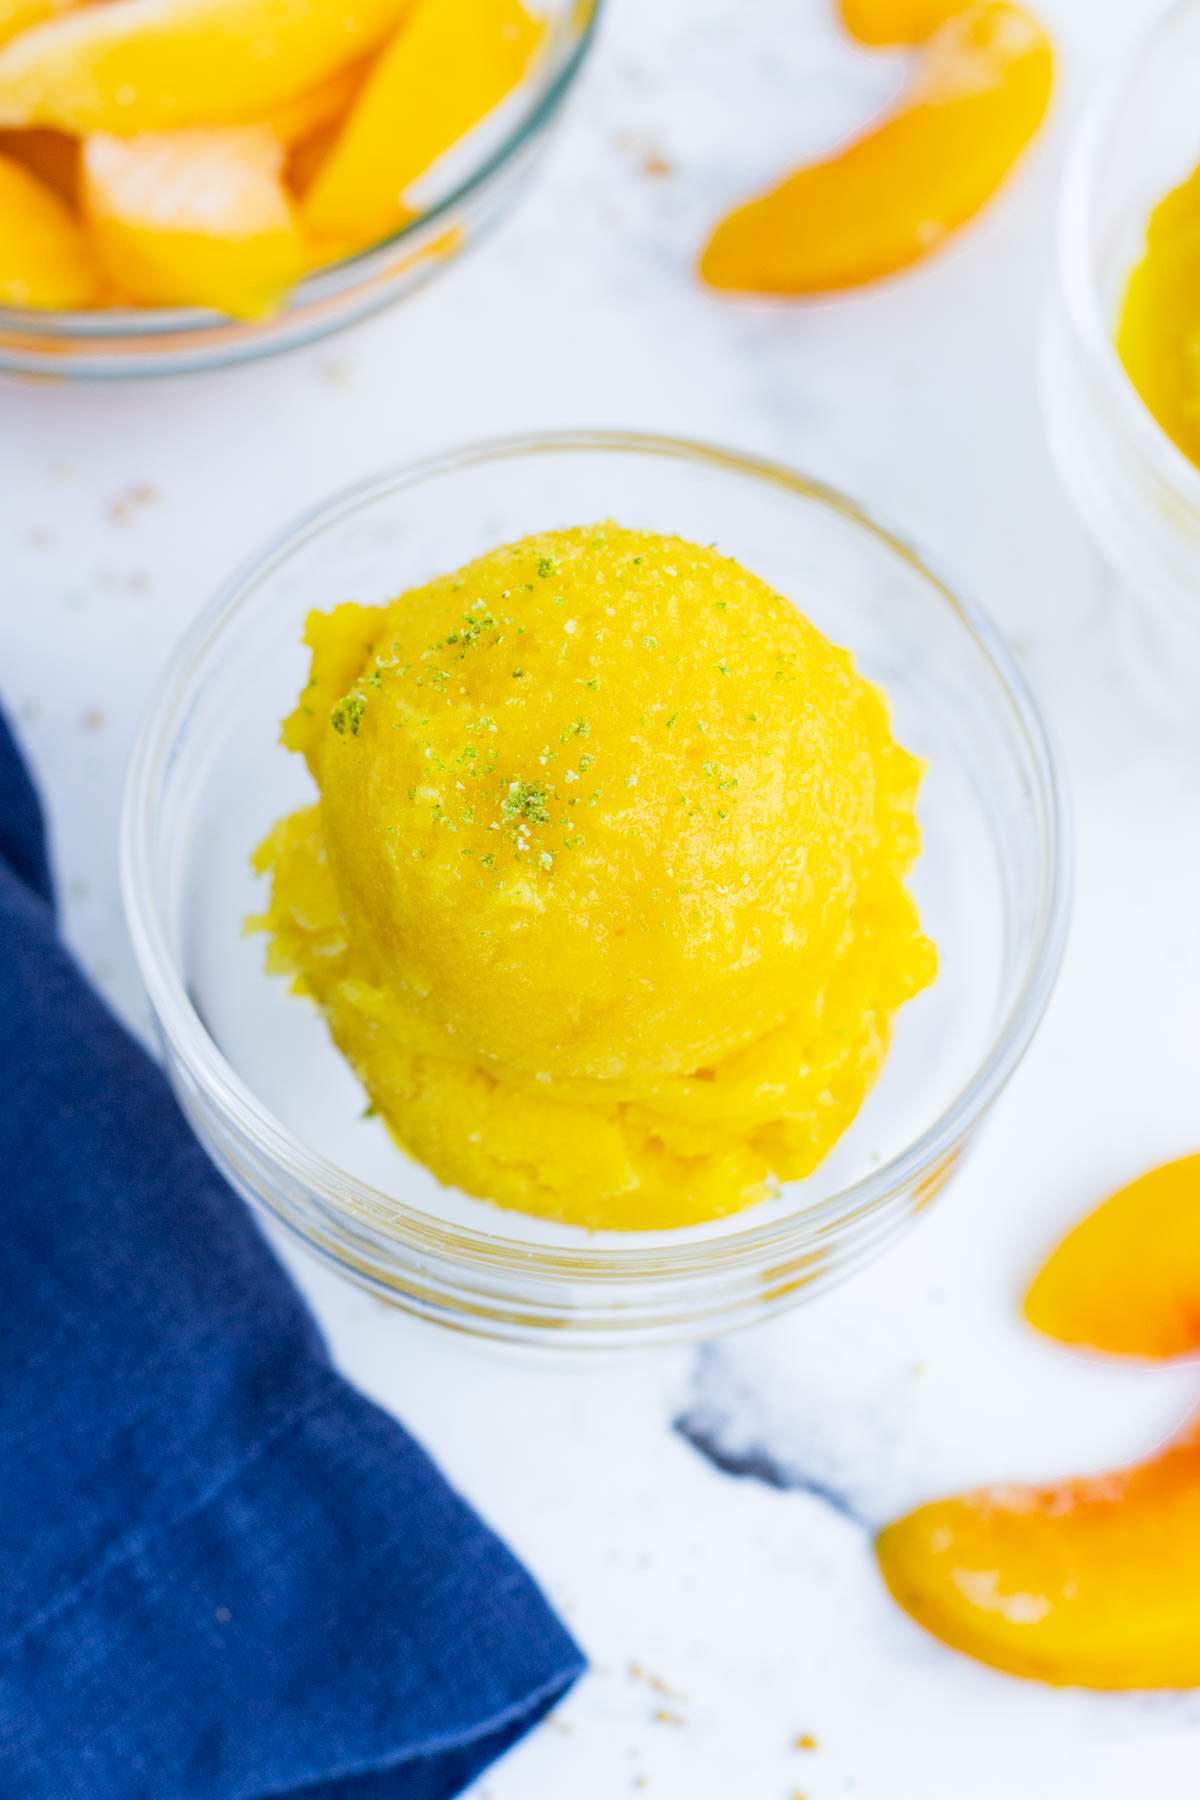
[188, 183]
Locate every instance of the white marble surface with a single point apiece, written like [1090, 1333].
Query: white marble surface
[120, 508]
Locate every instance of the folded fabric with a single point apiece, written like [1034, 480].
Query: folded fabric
[224, 1574]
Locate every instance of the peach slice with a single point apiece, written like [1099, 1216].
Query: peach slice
[19, 15]
[44, 255]
[890, 197]
[53, 157]
[131, 66]
[444, 70]
[880, 22]
[321, 107]
[1093, 1582]
[194, 218]
[1126, 1280]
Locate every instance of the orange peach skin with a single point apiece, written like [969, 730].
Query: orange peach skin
[880, 22]
[892, 196]
[1093, 1582]
[1126, 1281]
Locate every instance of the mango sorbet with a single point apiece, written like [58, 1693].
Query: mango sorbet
[604, 896]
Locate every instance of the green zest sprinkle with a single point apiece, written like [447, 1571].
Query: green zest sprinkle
[545, 567]
[348, 714]
[526, 800]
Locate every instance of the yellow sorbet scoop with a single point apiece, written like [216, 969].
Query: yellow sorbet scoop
[604, 896]
[1158, 338]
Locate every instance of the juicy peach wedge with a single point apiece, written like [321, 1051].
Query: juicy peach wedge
[20, 15]
[44, 255]
[885, 22]
[1093, 1582]
[131, 66]
[1126, 1280]
[194, 218]
[53, 157]
[893, 195]
[445, 69]
[322, 106]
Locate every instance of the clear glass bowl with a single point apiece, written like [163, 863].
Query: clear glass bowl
[472, 191]
[273, 1101]
[1137, 493]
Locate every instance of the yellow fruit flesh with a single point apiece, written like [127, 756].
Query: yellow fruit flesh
[319, 107]
[51, 155]
[44, 257]
[448, 65]
[131, 66]
[895, 194]
[19, 15]
[193, 218]
[1088, 1583]
[1126, 1281]
[885, 22]
[1158, 338]
[604, 897]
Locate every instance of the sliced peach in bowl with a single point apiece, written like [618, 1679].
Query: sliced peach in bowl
[129, 66]
[194, 218]
[20, 15]
[45, 259]
[445, 69]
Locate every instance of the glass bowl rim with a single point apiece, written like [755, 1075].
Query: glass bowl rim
[345, 1202]
[113, 324]
[1084, 305]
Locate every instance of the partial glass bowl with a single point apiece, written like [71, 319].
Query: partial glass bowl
[280, 1111]
[1137, 493]
[470, 191]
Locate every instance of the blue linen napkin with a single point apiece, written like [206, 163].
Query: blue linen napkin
[224, 1574]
